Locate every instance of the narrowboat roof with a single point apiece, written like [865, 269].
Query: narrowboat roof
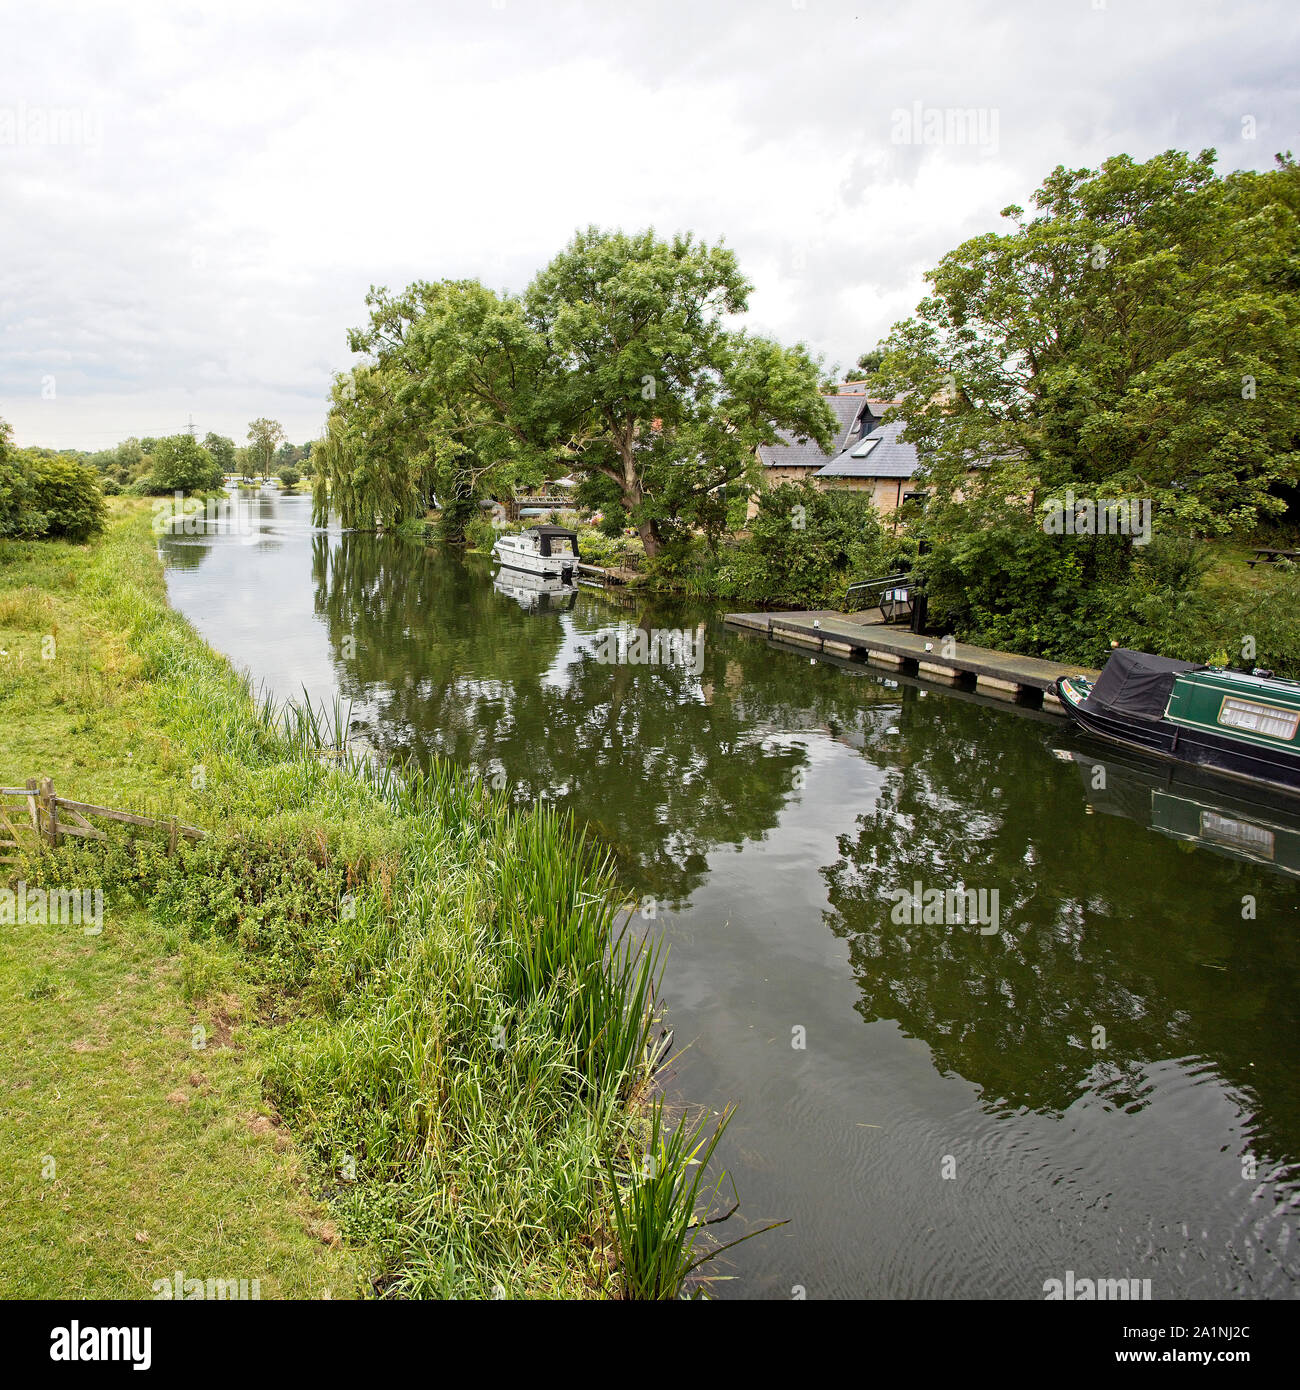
[1137, 683]
[1277, 685]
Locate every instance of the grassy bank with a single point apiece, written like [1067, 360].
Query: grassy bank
[422, 1033]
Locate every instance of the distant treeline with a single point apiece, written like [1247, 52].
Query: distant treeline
[148, 465]
[60, 492]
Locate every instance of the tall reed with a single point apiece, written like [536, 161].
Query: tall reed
[662, 1211]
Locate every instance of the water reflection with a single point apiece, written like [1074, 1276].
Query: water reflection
[770, 802]
[1197, 810]
[664, 764]
[535, 593]
[1098, 929]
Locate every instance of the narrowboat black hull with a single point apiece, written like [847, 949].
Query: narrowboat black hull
[1227, 757]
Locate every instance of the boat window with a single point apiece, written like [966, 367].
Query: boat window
[1259, 719]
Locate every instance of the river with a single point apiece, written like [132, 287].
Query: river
[1103, 1079]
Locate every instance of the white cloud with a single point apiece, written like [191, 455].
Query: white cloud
[243, 172]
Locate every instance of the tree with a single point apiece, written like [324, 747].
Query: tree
[263, 436]
[181, 464]
[1137, 338]
[808, 543]
[445, 404]
[288, 477]
[222, 450]
[615, 362]
[868, 365]
[650, 387]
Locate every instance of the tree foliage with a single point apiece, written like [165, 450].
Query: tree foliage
[222, 450]
[263, 436]
[47, 494]
[179, 463]
[805, 545]
[615, 363]
[1137, 337]
[658, 394]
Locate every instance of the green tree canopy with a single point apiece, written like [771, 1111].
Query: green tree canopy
[867, 365]
[1137, 337]
[615, 362]
[655, 390]
[46, 493]
[444, 403]
[263, 436]
[1140, 335]
[222, 450]
[179, 463]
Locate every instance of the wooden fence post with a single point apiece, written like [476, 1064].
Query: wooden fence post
[51, 811]
[33, 786]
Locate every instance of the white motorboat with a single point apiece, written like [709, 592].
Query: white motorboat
[545, 550]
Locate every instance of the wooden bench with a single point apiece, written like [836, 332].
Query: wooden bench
[1270, 555]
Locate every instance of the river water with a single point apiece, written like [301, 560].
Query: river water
[1102, 1080]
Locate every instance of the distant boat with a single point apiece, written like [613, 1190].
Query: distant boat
[546, 550]
[1240, 724]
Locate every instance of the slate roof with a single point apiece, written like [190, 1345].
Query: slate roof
[845, 406]
[889, 459]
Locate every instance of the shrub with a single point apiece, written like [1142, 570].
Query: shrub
[809, 543]
[45, 494]
[613, 522]
[480, 534]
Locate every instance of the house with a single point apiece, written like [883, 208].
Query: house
[791, 461]
[866, 455]
[877, 462]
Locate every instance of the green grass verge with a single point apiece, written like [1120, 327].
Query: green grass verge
[422, 1027]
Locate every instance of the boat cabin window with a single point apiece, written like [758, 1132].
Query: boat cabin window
[1259, 719]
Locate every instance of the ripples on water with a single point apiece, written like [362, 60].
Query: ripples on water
[926, 1046]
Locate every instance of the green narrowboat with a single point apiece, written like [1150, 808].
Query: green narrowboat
[1240, 724]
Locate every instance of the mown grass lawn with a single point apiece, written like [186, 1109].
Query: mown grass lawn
[128, 1152]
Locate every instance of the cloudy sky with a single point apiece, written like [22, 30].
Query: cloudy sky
[195, 198]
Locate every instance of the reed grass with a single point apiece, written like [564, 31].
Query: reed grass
[661, 1213]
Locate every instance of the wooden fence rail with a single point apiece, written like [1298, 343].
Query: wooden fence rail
[43, 807]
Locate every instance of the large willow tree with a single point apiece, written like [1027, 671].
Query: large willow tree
[439, 405]
[618, 362]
